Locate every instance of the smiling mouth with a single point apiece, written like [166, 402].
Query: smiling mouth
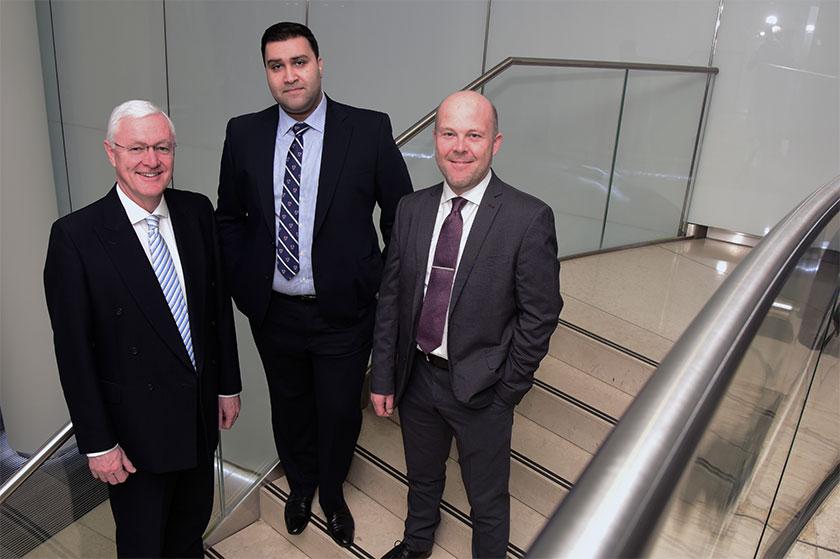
[150, 175]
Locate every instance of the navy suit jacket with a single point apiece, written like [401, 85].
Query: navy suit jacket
[360, 167]
[124, 369]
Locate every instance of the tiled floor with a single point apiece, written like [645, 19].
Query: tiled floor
[643, 298]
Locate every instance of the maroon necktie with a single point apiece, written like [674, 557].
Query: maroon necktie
[439, 290]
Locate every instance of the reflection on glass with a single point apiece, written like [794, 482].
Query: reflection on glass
[725, 496]
[60, 511]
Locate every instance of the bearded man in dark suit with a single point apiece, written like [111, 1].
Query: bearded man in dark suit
[297, 187]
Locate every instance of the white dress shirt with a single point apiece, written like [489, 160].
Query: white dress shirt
[310, 171]
[473, 197]
[137, 216]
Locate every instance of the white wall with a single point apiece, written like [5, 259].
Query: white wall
[30, 395]
[774, 128]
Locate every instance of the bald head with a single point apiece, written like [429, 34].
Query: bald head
[470, 98]
[466, 139]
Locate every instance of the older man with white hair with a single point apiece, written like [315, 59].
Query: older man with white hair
[144, 339]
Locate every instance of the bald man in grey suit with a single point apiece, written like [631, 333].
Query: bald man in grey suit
[469, 299]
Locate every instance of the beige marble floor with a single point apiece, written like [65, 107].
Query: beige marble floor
[643, 298]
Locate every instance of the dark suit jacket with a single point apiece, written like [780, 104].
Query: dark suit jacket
[360, 167]
[505, 299]
[124, 369]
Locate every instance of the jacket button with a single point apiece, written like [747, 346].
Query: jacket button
[212, 323]
[213, 362]
[212, 284]
[266, 276]
[150, 387]
[133, 350]
[246, 214]
[118, 311]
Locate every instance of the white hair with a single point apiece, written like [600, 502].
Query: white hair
[136, 108]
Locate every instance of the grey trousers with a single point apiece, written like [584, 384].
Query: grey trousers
[429, 417]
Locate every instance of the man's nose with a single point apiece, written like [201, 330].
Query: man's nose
[290, 76]
[151, 157]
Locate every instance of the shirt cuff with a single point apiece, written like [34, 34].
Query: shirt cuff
[229, 395]
[95, 454]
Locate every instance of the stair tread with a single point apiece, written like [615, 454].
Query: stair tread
[258, 540]
[377, 528]
[613, 367]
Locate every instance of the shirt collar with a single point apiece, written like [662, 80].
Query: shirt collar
[315, 120]
[137, 214]
[474, 194]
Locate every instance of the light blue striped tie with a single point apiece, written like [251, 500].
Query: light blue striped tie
[168, 278]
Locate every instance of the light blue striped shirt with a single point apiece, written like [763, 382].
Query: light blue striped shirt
[313, 143]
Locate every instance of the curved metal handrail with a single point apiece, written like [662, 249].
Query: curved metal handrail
[614, 507]
[418, 126]
[42, 455]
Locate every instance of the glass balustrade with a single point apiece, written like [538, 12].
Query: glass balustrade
[774, 436]
[611, 150]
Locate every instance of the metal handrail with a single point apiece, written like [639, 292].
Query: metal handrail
[615, 506]
[42, 455]
[418, 126]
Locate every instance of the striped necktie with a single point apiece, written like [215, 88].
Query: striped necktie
[288, 262]
[168, 278]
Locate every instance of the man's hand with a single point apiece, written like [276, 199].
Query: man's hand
[383, 404]
[228, 411]
[112, 467]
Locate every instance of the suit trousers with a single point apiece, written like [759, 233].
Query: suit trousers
[315, 371]
[163, 515]
[429, 417]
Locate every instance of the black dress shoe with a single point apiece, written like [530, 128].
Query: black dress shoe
[297, 514]
[402, 551]
[341, 526]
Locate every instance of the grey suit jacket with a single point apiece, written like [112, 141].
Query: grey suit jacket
[505, 299]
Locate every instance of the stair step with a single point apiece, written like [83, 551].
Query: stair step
[600, 361]
[583, 387]
[568, 420]
[376, 527]
[256, 540]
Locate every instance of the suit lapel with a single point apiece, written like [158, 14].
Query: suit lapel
[337, 133]
[265, 142]
[427, 214]
[121, 243]
[190, 241]
[487, 211]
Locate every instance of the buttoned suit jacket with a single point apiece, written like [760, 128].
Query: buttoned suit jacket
[360, 167]
[124, 369]
[505, 297]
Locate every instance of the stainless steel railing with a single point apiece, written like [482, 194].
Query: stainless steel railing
[614, 507]
[42, 455]
[418, 126]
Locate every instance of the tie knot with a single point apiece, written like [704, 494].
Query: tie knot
[152, 221]
[299, 128]
[458, 204]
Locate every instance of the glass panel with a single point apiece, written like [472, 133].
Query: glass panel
[653, 161]
[211, 81]
[727, 492]
[559, 126]
[60, 511]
